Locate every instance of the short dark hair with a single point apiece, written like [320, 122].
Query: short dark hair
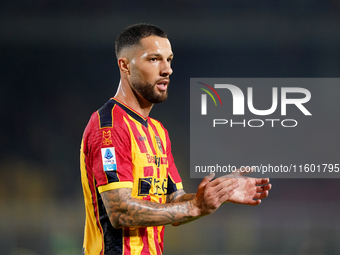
[133, 34]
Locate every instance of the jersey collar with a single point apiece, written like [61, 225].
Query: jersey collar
[132, 113]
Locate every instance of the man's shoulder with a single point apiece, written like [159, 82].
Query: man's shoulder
[157, 124]
[107, 116]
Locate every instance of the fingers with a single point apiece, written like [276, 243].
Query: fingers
[212, 193]
[261, 195]
[210, 176]
[221, 182]
[226, 189]
[257, 199]
[261, 181]
[263, 188]
[262, 191]
[222, 188]
[255, 202]
[226, 196]
[207, 179]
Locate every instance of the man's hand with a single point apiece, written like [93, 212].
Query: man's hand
[250, 190]
[212, 193]
[233, 188]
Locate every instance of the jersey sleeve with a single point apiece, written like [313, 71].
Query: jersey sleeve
[174, 179]
[110, 154]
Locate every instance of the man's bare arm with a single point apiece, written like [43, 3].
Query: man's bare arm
[126, 211]
[179, 196]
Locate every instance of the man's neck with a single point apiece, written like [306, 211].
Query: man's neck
[134, 101]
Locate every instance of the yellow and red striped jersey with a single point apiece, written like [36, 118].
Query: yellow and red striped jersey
[121, 149]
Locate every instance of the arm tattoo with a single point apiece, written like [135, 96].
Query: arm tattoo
[125, 211]
[179, 196]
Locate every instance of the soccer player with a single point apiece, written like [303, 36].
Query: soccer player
[130, 182]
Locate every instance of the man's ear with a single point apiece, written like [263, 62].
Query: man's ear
[124, 65]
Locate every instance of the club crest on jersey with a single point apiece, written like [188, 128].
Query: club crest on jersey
[159, 144]
[107, 138]
[109, 159]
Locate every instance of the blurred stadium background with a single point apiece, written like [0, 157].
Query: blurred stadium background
[58, 66]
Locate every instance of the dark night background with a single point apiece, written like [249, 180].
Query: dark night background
[57, 66]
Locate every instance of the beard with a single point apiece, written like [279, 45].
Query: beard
[149, 93]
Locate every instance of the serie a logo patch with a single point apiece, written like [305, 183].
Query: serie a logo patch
[109, 159]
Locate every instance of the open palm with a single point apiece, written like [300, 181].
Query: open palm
[250, 191]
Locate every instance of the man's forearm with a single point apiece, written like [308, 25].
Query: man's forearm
[180, 196]
[125, 211]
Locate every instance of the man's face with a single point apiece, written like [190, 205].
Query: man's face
[150, 69]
